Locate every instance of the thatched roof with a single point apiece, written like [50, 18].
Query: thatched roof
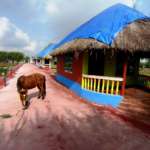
[135, 37]
[45, 52]
[80, 45]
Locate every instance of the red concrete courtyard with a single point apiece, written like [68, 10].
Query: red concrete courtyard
[63, 121]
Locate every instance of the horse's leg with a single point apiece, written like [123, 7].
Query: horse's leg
[43, 95]
[44, 90]
[22, 100]
[26, 103]
[40, 92]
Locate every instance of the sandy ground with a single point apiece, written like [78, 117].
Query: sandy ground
[62, 122]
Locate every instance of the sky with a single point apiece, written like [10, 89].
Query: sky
[30, 25]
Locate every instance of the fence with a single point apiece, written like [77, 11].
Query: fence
[102, 84]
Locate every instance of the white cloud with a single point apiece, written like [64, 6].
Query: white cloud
[13, 38]
[4, 26]
[31, 47]
[21, 35]
[66, 15]
[143, 6]
[52, 8]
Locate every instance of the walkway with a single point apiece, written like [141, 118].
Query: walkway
[62, 122]
[136, 105]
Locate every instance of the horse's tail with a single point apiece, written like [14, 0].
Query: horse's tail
[19, 83]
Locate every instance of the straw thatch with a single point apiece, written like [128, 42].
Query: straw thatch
[80, 45]
[135, 37]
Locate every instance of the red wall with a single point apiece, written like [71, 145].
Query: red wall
[76, 74]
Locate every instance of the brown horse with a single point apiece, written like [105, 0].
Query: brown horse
[24, 83]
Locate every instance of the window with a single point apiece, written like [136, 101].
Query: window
[68, 62]
[47, 61]
[132, 68]
[144, 67]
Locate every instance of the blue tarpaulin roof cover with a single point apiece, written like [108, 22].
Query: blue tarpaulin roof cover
[105, 26]
[46, 51]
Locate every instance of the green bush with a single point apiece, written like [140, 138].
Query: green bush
[13, 57]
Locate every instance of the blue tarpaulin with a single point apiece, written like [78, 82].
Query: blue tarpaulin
[105, 26]
[46, 51]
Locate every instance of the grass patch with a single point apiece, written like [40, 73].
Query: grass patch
[5, 116]
[5, 67]
[144, 71]
[3, 70]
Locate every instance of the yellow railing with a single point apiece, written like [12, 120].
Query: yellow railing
[102, 84]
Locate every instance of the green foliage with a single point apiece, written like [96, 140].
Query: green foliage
[145, 64]
[144, 71]
[27, 59]
[15, 56]
[11, 56]
[3, 56]
[3, 70]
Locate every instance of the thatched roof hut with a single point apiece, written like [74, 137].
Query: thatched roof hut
[45, 52]
[117, 28]
[135, 37]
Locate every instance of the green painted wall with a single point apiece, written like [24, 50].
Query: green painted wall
[109, 64]
[85, 63]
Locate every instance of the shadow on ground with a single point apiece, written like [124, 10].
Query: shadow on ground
[35, 130]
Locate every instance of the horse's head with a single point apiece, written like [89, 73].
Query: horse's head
[23, 94]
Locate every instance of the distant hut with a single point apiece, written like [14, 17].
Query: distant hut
[44, 58]
[101, 58]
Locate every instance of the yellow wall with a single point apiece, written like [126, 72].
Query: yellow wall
[85, 63]
[109, 64]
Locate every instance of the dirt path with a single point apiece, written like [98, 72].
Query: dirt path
[62, 122]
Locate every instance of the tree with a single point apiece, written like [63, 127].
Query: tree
[27, 59]
[3, 56]
[15, 56]
[11, 56]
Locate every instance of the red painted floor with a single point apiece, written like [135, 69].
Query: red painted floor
[62, 122]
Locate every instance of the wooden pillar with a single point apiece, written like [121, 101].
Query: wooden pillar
[124, 76]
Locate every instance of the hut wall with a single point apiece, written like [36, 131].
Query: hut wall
[85, 63]
[72, 80]
[76, 74]
[109, 64]
[42, 61]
